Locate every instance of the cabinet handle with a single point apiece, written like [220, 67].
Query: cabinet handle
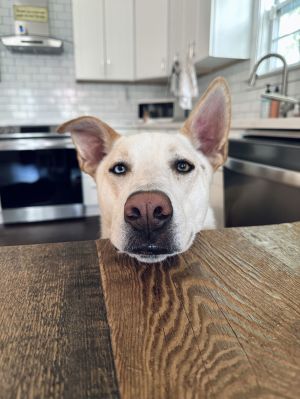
[108, 61]
[163, 65]
[192, 50]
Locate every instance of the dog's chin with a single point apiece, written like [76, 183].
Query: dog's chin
[152, 253]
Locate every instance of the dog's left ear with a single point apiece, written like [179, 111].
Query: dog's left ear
[93, 139]
[209, 123]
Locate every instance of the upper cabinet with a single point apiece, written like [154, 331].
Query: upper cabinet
[88, 32]
[215, 31]
[126, 40]
[151, 38]
[103, 39]
[223, 32]
[119, 39]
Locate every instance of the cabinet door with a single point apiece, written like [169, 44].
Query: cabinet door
[202, 40]
[151, 38]
[189, 25]
[183, 19]
[176, 37]
[88, 28]
[231, 28]
[119, 39]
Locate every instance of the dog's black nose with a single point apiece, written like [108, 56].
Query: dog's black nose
[148, 211]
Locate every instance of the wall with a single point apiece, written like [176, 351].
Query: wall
[245, 99]
[42, 89]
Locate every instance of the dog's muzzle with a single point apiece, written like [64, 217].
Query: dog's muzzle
[148, 216]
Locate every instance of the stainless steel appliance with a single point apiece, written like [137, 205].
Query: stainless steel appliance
[39, 178]
[262, 179]
[31, 22]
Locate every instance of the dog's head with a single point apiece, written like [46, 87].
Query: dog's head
[153, 188]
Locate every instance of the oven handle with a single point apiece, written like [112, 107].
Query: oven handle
[278, 175]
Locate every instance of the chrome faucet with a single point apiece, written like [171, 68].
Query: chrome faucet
[287, 103]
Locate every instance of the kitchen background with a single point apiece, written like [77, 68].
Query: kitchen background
[44, 89]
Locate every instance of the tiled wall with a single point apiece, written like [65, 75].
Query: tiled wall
[35, 88]
[245, 99]
[40, 88]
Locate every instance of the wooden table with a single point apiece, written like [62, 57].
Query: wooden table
[220, 321]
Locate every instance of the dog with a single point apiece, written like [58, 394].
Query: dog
[153, 188]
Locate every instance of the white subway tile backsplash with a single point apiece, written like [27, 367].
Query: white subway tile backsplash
[44, 87]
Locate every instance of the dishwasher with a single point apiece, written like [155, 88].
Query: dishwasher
[262, 179]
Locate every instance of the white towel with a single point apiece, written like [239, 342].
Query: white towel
[188, 85]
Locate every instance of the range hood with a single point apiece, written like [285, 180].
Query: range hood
[32, 44]
[32, 29]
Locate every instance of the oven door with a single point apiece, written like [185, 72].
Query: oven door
[262, 182]
[40, 184]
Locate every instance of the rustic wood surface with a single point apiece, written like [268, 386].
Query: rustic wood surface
[54, 337]
[220, 321]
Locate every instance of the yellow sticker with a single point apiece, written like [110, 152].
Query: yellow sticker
[29, 13]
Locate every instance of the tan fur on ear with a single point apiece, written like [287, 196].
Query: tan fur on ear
[219, 155]
[93, 139]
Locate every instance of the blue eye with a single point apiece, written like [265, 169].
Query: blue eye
[119, 169]
[183, 166]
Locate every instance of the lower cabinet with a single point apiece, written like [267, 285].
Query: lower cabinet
[90, 198]
[217, 197]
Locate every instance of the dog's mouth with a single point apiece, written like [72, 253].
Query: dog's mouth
[150, 250]
[150, 253]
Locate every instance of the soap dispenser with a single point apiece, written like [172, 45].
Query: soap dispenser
[274, 106]
[265, 104]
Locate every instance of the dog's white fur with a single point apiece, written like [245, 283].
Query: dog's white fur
[149, 157]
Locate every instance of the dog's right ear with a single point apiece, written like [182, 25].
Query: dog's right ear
[93, 139]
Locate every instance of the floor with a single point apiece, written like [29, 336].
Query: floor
[58, 231]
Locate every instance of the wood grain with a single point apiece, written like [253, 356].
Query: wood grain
[54, 337]
[220, 321]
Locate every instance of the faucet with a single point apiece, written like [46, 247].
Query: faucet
[287, 103]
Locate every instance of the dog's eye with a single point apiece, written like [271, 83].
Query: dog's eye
[183, 166]
[119, 169]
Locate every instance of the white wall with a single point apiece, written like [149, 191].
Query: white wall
[40, 88]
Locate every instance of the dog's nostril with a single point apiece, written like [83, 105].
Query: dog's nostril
[158, 213]
[134, 213]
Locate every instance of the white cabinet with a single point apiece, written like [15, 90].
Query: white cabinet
[151, 38]
[216, 31]
[175, 32]
[88, 22]
[124, 40]
[119, 29]
[103, 39]
[189, 14]
[217, 197]
[90, 197]
[223, 32]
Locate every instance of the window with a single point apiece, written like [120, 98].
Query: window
[279, 32]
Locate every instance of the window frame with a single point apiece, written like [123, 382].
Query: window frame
[263, 33]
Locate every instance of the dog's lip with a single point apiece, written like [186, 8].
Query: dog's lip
[150, 250]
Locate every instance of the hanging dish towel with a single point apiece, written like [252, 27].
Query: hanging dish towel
[188, 85]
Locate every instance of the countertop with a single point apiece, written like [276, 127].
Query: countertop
[254, 123]
[221, 321]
